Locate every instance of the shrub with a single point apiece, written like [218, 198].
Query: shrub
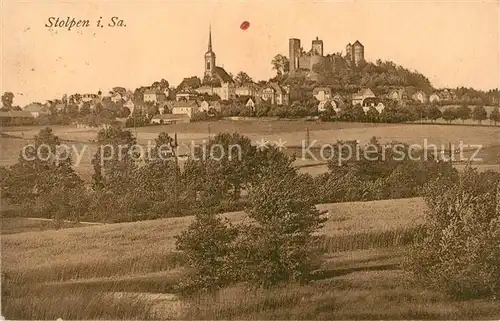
[209, 247]
[460, 250]
[282, 246]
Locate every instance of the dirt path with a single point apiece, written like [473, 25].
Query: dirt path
[166, 306]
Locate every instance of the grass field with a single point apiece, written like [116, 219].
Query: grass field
[129, 270]
[292, 132]
[13, 225]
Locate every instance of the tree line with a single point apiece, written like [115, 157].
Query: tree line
[126, 187]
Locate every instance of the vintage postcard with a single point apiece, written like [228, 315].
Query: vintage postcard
[250, 160]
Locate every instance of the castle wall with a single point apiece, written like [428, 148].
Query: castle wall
[305, 62]
[315, 60]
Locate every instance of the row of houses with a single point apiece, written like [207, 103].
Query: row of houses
[365, 98]
[181, 111]
[272, 93]
[397, 94]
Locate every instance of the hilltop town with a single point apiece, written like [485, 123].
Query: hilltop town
[335, 86]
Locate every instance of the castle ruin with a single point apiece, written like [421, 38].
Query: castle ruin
[301, 61]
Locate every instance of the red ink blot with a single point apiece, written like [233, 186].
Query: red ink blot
[245, 25]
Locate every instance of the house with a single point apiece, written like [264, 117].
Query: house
[380, 107]
[370, 102]
[360, 96]
[60, 107]
[321, 105]
[117, 97]
[275, 94]
[187, 95]
[434, 98]
[249, 89]
[420, 96]
[447, 95]
[399, 94]
[37, 110]
[170, 119]
[206, 106]
[90, 98]
[339, 100]
[250, 104]
[322, 93]
[154, 96]
[225, 91]
[130, 105]
[16, 118]
[402, 94]
[185, 108]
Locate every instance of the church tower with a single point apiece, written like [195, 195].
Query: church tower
[209, 57]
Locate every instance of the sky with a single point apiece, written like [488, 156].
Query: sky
[453, 43]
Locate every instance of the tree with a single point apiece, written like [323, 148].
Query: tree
[495, 115]
[479, 114]
[282, 245]
[7, 100]
[433, 113]
[463, 112]
[115, 160]
[124, 112]
[450, 114]
[85, 109]
[329, 113]
[152, 110]
[372, 115]
[243, 78]
[281, 64]
[190, 83]
[459, 252]
[358, 113]
[43, 180]
[209, 246]
[158, 183]
[229, 159]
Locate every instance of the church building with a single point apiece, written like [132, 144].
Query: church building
[216, 80]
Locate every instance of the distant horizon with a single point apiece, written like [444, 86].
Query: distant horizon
[452, 44]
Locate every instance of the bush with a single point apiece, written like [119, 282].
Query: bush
[209, 247]
[281, 246]
[460, 250]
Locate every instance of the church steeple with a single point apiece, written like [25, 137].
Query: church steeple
[210, 38]
[209, 56]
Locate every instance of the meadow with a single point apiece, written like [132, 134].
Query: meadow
[292, 132]
[129, 270]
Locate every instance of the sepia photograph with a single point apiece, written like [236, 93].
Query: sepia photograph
[250, 160]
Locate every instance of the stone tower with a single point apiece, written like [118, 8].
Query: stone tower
[348, 52]
[317, 47]
[294, 52]
[209, 57]
[359, 52]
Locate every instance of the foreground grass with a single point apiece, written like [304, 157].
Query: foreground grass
[369, 295]
[123, 271]
[125, 247]
[360, 285]
[73, 304]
